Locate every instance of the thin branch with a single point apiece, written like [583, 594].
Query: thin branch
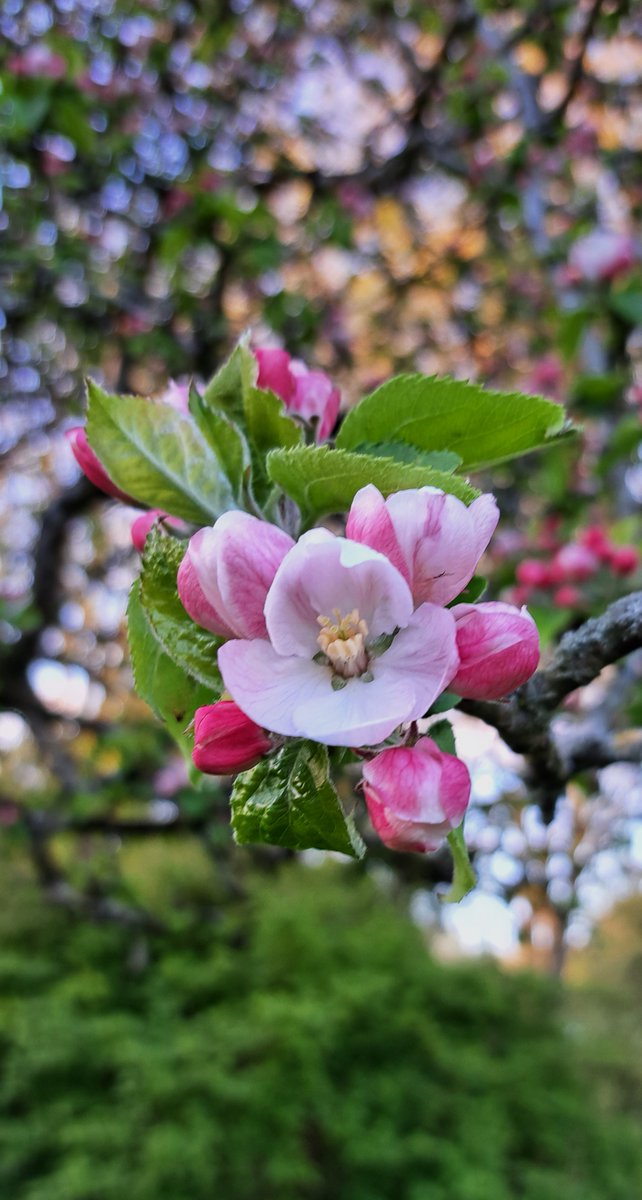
[524, 721]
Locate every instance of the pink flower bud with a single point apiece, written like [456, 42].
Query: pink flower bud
[142, 525]
[567, 597]
[310, 394]
[315, 398]
[274, 372]
[533, 573]
[624, 559]
[596, 540]
[91, 465]
[498, 649]
[416, 795]
[226, 741]
[575, 563]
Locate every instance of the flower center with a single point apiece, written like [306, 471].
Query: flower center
[343, 641]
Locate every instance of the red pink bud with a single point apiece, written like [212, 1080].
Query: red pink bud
[311, 394]
[624, 560]
[498, 649]
[226, 741]
[415, 795]
[533, 573]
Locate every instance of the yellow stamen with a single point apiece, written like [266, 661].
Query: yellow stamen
[344, 643]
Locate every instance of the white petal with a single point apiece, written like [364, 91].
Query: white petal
[424, 654]
[267, 686]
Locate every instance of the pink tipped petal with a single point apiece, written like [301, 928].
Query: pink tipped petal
[498, 648]
[192, 596]
[425, 654]
[454, 540]
[274, 372]
[415, 795]
[235, 563]
[249, 553]
[268, 687]
[484, 514]
[91, 465]
[369, 522]
[432, 538]
[324, 573]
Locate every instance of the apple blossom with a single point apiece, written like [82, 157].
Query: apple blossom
[498, 647]
[227, 570]
[433, 539]
[310, 394]
[225, 740]
[416, 795]
[346, 659]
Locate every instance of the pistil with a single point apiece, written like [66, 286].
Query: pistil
[343, 641]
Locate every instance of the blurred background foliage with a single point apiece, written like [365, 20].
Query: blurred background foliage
[379, 187]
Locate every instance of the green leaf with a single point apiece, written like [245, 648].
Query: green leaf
[289, 800]
[464, 878]
[444, 703]
[472, 592]
[225, 439]
[432, 413]
[442, 460]
[157, 456]
[442, 733]
[226, 391]
[172, 694]
[189, 646]
[268, 428]
[322, 480]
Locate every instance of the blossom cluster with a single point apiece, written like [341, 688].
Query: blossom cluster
[347, 640]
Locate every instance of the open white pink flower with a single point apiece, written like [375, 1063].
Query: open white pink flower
[346, 658]
[432, 538]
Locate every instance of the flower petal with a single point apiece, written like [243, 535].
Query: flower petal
[268, 687]
[359, 714]
[424, 654]
[249, 553]
[235, 563]
[323, 573]
[369, 522]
